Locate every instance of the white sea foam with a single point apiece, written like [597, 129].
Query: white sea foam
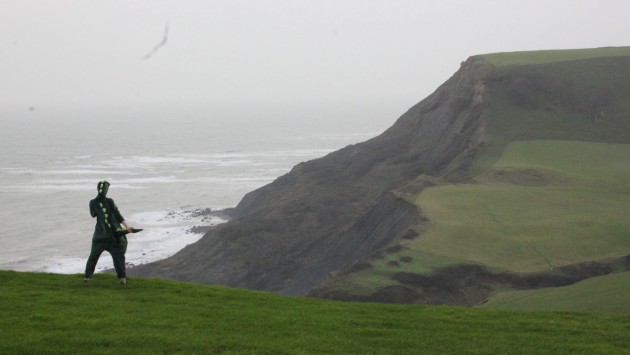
[164, 234]
[345, 136]
[55, 187]
[232, 162]
[147, 180]
[81, 172]
[165, 160]
[84, 181]
[62, 187]
[136, 162]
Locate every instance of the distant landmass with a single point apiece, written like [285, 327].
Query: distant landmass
[511, 176]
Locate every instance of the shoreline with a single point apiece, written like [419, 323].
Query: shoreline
[165, 233]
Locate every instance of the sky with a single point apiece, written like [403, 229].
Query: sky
[346, 55]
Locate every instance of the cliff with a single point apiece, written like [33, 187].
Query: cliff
[331, 216]
[330, 212]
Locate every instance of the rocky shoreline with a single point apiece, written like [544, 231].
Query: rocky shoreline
[207, 215]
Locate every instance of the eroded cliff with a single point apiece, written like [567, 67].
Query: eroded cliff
[331, 212]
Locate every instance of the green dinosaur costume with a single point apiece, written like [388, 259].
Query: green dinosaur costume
[108, 220]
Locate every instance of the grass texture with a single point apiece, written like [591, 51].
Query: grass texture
[598, 294]
[544, 204]
[51, 313]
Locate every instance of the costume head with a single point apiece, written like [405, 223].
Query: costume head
[102, 188]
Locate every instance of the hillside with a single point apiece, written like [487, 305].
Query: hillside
[549, 213]
[373, 221]
[59, 314]
[599, 294]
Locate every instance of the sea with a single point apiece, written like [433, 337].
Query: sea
[165, 169]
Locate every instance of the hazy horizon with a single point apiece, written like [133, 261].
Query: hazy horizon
[355, 57]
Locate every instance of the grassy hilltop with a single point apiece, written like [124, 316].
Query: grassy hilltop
[544, 202]
[49, 313]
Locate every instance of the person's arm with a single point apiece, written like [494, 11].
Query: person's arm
[119, 217]
[127, 226]
[92, 211]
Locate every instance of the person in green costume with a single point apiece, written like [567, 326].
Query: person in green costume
[108, 226]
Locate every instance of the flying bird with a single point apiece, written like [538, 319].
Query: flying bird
[159, 45]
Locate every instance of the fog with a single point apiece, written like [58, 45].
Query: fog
[358, 57]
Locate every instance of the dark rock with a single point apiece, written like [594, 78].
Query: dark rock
[410, 234]
[331, 212]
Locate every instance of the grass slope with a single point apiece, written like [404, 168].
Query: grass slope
[599, 294]
[578, 214]
[553, 56]
[49, 313]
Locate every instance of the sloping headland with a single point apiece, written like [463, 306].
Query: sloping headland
[435, 209]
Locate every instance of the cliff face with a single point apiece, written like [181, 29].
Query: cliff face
[330, 212]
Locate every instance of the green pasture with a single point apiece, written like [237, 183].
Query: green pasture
[601, 166]
[598, 294]
[578, 215]
[524, 229]
[551, 95]
[58, 314]
[552, 56]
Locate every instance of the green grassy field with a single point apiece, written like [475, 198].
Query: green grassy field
[599, 294]
[551, 95]
[544, 204]
[597, 165]
[50, 313]
[553, 56]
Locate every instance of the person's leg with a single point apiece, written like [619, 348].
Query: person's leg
[95, 254]
[118, 250]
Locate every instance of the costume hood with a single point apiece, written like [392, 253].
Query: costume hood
[102, 188]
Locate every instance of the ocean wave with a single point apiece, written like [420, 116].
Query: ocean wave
[347, 136]
[135, 161]
[150, 180]
[83, 172]
[88, 184]
[62, 187]
[165, 233]
[70, 171]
